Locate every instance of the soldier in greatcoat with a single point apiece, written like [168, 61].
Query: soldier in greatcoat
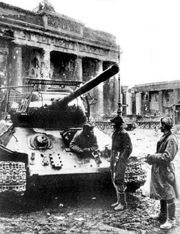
[121, 150]
[163, 180]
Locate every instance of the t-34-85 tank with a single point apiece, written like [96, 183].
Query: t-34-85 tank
[34, 150]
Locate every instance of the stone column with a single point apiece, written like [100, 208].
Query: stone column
[98, 92]
[15, 72]
[116, 93]
[147, 104]
[175, 95]
[138, 103]
[129, 103]
[160, 102]
[78, 69]
[45, 65]
[175, 101]
[4, 51]
[45, 21]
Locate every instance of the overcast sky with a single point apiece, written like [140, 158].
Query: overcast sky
[148, 32]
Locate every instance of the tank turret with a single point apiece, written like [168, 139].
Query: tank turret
[57, 110]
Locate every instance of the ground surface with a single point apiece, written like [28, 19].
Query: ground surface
[88, 209]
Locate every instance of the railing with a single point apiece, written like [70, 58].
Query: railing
[103, 125]
[106, 125]
[148, 124]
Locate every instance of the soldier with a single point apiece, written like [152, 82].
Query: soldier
[84, 141]
[163, 182]
[121, 150]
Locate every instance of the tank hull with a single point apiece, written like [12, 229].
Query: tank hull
[29, 168]
[55, 163]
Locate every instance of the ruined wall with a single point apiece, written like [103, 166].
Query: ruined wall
[62, 66]
[15, 65]
[32, 62]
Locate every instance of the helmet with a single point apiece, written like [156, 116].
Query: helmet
[167, 121]
[117, 120]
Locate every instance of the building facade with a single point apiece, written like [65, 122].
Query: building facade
[44, 44]
[154, 99]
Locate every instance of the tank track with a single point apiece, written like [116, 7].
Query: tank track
[12, 177]
[135, 175]
[134, 171]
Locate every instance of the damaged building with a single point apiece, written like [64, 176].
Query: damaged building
[44, 44]
[153, 99]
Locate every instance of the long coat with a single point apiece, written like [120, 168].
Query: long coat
[163, 180]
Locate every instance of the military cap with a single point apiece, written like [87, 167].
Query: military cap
[88, 126]
[167, 121]
[117, 120]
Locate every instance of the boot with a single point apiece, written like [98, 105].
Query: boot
[118, 200]
[171, 221]
[119, 207]
[114, 204]
[162, 216]
[122, 202]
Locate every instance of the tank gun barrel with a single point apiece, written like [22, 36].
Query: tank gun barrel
[114, 69]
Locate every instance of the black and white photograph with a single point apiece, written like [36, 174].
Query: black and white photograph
[89, 117]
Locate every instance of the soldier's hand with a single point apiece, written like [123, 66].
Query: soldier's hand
[148, 159]
[85, 150]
